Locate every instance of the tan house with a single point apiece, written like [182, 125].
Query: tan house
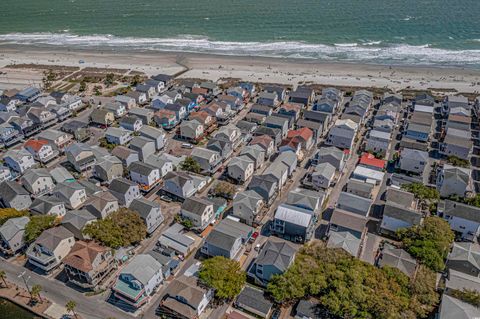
[88, 263]
[102, 117]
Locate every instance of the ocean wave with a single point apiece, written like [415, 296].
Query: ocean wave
[365, 51]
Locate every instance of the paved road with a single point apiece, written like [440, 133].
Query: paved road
[93, 307]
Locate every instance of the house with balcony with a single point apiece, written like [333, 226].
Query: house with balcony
[342, 134]
[138, 281]
[42, 116]
[155, 134]
[149, 211]
[73, 194]
[145, 175]
[81, 157]
[37, 181]
[50, 248]
[41, 150]
[88, 264]
[294, 223]
[18, 160]
[118, 135]
[9, 136]
[131, 123]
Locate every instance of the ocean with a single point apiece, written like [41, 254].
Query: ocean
[405, 32]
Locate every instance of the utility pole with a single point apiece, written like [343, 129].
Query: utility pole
[22, 275]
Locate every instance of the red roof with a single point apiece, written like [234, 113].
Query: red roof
[303, 132]
[292, 142]
[264, 140]
[370, 160]
[35, 145]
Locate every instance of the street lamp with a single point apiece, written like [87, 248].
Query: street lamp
[22, 275]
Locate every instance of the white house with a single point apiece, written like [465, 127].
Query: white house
[323, 175]
[19, 160]
[414, 161]
[453, 180]
[198, 210]
[463, 219]
[378, 142]
[145, 175]
[241, 168]
[41, 150]
[118, 135]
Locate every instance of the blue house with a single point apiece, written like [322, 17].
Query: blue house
[418, 132]
[250, 87]
[325, 105]
[29, 94]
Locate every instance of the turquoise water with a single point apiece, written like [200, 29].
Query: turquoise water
[442, 32]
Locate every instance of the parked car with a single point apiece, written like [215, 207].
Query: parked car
[187, 145]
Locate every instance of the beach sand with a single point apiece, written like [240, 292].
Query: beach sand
[256, 69]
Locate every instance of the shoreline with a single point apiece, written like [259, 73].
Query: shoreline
[215, 67]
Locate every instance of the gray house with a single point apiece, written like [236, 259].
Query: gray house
[247, 205]
[465, 258]
[277, 122]
[222, 146]
[306, 199]
[209, 160]
[156, 134]
[180, 185]
[150, 212]
[11, 235]
[13, 195]
[124, 190]
[332, 155]
[144, 146]
[37, 181]
[354, 203]
[76, 220]
[126, 155]
[264, 185]
[108, 169]
[413, 161]
[227, 239]
[48, 205]
[274, 258]
[199, 211]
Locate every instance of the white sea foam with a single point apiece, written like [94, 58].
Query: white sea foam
[366, 51]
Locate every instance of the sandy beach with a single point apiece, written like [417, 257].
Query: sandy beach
[261, 70]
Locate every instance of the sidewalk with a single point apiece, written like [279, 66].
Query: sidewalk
[21, 297]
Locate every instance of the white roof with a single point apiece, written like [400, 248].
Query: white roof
[423, 108]
[368, 173]
[293, 215]
[349, 123]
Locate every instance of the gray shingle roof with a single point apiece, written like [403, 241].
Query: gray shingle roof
[255, 299]
[143, 267]
[12, 226]
[462, 211]
[52, 237]
[277, 252]
[195, 205]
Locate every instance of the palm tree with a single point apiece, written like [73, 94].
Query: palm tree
[71, 305]
[35, 291]
[3, 276]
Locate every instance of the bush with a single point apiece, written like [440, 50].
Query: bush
[469, 296]
[7, 213]
[120, 229]
[224, 275]
[37, 225]
[457, 161]
[224, 189]
[429, 242]
[190, 165]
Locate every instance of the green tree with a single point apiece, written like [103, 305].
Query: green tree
[70, 306]
[457, 161]
[350, 288]
[120, 229]
[83, 86]
[467, 295]
[109, 79]
[48, 79]
[429, 242]
[224, 189]
[7, 213]
[135, 80]
[3, 277]
[421, 191]
[187, 223]
[224, 275]
[35, 292]
[37, 225]
[191, 165]
[105, 144]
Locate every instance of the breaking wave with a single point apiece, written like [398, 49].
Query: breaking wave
[364, 51]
